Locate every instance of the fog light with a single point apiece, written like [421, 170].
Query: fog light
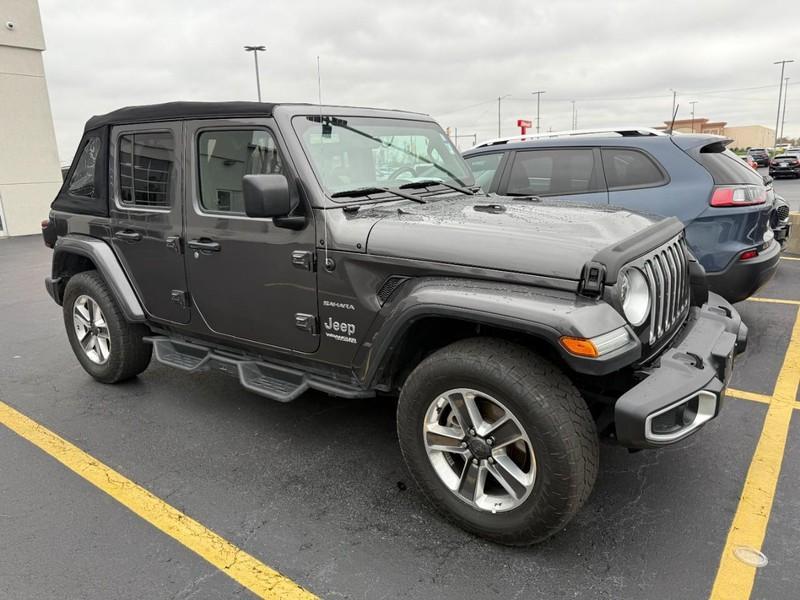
[676, 418]
[680, 418]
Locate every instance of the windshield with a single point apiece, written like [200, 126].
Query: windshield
[369, 152]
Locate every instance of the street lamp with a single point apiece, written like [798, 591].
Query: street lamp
[255, 50]
[538, 98]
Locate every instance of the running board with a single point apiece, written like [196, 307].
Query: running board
[273, 381]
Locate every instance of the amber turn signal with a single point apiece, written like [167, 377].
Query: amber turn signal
[579, 346]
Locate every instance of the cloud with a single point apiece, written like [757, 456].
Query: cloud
[618, 60]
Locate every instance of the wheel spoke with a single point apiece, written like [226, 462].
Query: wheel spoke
[81, 320]
[505, 432]
[80, 309]
[101, 345]
[467, 413]
[444, 439]
[509, 475]
[88, 342]
[472, 481]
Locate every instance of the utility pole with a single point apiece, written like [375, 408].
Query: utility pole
[499, 100]
[255, 50]
[693, 102]
[574, 116]
[785, 93]
[782, 63]
[538, 98]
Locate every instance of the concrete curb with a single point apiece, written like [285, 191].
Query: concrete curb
[793, 244]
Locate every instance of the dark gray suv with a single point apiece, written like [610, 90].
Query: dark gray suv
[348, 250]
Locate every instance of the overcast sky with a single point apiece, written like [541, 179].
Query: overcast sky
[619, 60]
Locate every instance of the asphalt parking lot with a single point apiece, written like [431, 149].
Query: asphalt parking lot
[317, 490]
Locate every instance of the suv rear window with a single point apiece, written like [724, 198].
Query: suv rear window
[146, 169]
[726, 168]
[626, 169]
[554, 172]
[82, 181]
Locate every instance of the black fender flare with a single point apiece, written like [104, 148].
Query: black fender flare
[107, 264]
[546, 314]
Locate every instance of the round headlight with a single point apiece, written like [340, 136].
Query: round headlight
[635, 295]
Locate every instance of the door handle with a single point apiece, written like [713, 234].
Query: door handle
[204, 245]
[128, 235]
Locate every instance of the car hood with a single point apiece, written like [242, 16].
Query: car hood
[547, 238]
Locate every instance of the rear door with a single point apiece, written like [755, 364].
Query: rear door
[569, 174]
[249, 279]
[147, 215]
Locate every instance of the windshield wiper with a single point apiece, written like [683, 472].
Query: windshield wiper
[366, 191]
[429, 182]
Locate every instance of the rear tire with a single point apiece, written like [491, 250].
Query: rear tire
[108, 347]
[556, 428]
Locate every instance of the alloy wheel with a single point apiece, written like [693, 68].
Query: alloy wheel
[91, 329]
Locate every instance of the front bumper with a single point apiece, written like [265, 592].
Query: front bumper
[784, 171]
[684, 387]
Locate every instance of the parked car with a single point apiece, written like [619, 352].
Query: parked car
[785, 165]
[724, 205]
[760, 155]
[272, 242]
[779, 221]
[749, 161]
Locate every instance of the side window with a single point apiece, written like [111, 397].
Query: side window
[484, 167]
[82, 181]
[554, 172]
[146, 163]
[627, 169]
[225, 157]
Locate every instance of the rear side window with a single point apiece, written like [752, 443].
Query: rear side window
[82, 181]
[627, 169]
[146, 169]
[554, 172]
[726, 168]
[484, 167]
[227, 156]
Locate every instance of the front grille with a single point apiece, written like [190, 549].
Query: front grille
[667, 272]
[782, 211]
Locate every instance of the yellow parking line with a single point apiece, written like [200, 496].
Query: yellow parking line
[775, 301]
[789, 258]
[735, 579]
[742, 395]
[246, 570]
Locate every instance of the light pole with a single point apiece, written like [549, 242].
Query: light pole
[785, 93]
[499, 99]
[782, 63]
[693, 102]
[538, 98]
[255, 50]
[574, 116]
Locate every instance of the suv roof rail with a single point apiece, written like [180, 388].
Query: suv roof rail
[620, 131]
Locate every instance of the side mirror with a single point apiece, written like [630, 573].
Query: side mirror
[768, 180]
[266, 196]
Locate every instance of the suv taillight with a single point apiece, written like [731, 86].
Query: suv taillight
[738, 195]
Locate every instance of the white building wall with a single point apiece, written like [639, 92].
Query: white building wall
[30, 175]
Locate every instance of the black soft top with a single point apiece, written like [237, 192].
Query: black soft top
[170, 111]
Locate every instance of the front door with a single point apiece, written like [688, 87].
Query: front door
[249, 279]
[147, 215]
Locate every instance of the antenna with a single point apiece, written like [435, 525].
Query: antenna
[674, 114]
[322, 149]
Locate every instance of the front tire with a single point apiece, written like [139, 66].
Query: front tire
[108, 347]
[498, 439]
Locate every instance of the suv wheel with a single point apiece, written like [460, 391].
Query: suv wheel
[108, 347]
[498, 439]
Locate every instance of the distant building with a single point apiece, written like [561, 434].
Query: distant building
[746, 136]
[29, 170]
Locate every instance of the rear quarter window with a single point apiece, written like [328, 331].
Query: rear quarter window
[627, 169]
[726, 168]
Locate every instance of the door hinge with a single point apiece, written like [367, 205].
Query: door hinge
[180, 297]
[303, 259]
[306, 322]
[174, 244]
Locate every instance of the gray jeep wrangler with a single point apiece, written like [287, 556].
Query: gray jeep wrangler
[348, 250]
